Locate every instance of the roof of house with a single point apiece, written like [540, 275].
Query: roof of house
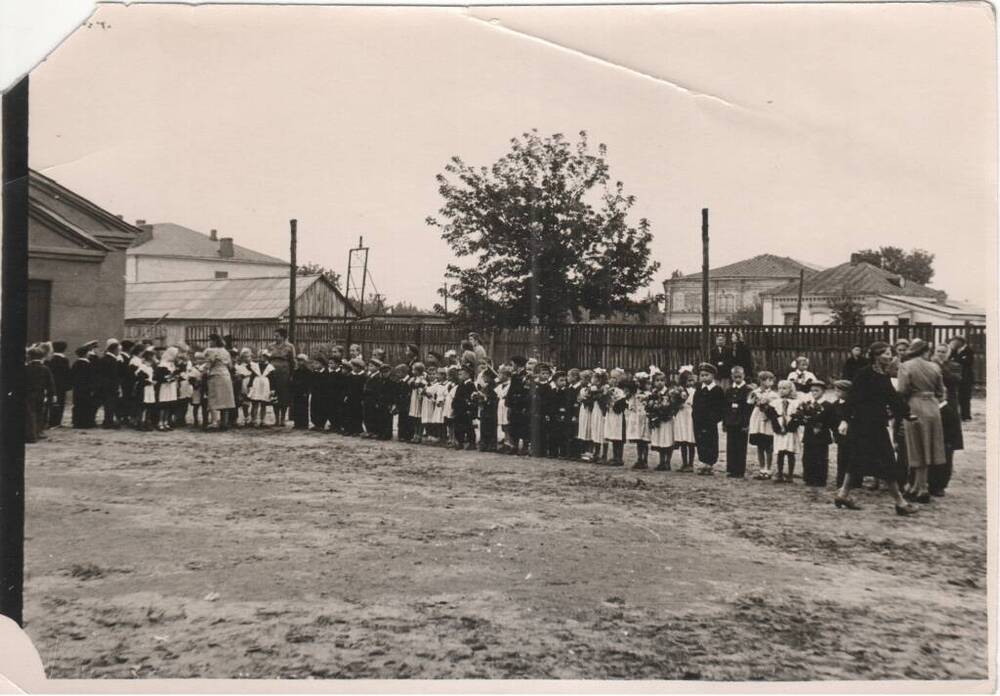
[761, 266]
[950, 308]
[860, 278]
[169, 239]
[222, 299]
[76, 212]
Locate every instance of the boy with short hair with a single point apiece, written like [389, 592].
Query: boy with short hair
[463, 409]
[736, 423]
[818, 426]
[707, 411]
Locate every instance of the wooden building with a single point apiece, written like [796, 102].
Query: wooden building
[163, 310]
[76, 265]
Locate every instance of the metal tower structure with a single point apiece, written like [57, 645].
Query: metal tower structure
[357, 276]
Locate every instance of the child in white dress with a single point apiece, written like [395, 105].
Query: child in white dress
[684, 418]
[418, 384]
[760, 430]
[637, 422]
[786, 434]
[503, 384]
[584, 408]
[244, 374]
[599, 388]
[661, 435]
[427, 407]
[259, 391]
[614, 417]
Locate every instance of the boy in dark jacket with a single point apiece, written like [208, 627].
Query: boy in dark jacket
[81, 376]
[300, 383]
[488, 411]
[464, 409]
[319, 394]
[736, 423]
[818, 420]
[707, 410]
[58, 365]
[354, 382]
[39, 391]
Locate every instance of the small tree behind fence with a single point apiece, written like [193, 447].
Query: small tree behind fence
[606, 345]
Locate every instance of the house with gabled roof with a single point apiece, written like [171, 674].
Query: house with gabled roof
[165, 310]
[888, 298]
[76, 265]
[167, 251]
[731, 287]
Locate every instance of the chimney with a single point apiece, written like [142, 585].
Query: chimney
[214, 235]
[139, 223]
[226, 247]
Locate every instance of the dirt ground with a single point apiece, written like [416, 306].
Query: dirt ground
[310, 555]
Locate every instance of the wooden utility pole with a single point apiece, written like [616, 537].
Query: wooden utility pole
[292, 271]
[13, 337]
[705, 318]
[798, 302]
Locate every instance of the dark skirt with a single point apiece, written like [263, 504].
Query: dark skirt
[870, 452]
[280, 384]
[762, 440]
[951, 421]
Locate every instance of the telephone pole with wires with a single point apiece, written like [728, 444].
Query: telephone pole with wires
[357, 276]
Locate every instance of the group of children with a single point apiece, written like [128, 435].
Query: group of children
[522, 407]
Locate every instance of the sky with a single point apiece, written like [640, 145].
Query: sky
[808, 131]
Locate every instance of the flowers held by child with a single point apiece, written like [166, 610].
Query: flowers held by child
[659, 408]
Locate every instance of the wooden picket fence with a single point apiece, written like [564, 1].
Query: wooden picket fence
[591, 345]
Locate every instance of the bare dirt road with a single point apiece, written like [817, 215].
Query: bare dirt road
[309, 555]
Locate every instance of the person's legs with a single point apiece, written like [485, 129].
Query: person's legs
[965, 399]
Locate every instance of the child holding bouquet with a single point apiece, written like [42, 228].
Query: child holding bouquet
[660, 413]
[761, 432]
[785, 421]
[682, 401]
[818, 424]
[614, 417]
[418, 384]
[600, 391]
[637, 421]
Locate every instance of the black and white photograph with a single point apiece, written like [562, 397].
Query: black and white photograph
[643, 342]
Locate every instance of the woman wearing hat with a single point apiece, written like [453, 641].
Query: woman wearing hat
[865, 424]
[920, 382]
[220, 383]
[938, 477]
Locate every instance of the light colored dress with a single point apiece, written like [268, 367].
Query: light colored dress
[168, 390]
[220, 384]
[921, 384]
[501, 390]
[145, 372]
[244, 372]
[684, 420]
[193, 380]
[760, 424]
[260, 390]
[614, 423]
[786, 408]
[432, 411]
[583, 417]
[661, 436]
[418, 385]
[597, 417]
[449, 397]
[636, 420]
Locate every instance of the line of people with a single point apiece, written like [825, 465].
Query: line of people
[526, 407]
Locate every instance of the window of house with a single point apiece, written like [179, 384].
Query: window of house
[790, 318]
[222, 274]
[727, 303]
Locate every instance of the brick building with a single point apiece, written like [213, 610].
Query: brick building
[76, 265]
[733, 287]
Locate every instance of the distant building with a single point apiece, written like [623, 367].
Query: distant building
[888, 298]
[76, 266]
[166, 251]
[730, 288]
[163, 310]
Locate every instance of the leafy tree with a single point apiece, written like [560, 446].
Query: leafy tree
[915, 265]
[846, 310]
[748, 315]
[548, 230]
[316, 269]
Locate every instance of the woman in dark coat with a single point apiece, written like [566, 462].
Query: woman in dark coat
[951, 419]
[867, 408]
[854, 363]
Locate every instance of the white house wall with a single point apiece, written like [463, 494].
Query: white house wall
[878, 310]
[145, 269]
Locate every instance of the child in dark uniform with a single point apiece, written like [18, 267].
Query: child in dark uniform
[354, 398]
[464, 409]
[839, 408]
[300, 383]
[488, 411]
[707, 409]
[817, 421]
[39, 391]
[736, 423]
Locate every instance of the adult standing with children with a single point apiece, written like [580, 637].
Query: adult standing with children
[282, 354]
[865, 420]
[921, 384]
[220, 383]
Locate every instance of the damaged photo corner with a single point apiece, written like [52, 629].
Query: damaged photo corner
[372, 347]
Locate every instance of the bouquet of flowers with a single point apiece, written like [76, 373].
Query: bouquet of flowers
[810, 414]
[658, 408]
[619, 400]
[588, 395]
[603, 398]
[676, 397]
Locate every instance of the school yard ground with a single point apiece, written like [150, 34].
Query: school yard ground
[307, 555]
